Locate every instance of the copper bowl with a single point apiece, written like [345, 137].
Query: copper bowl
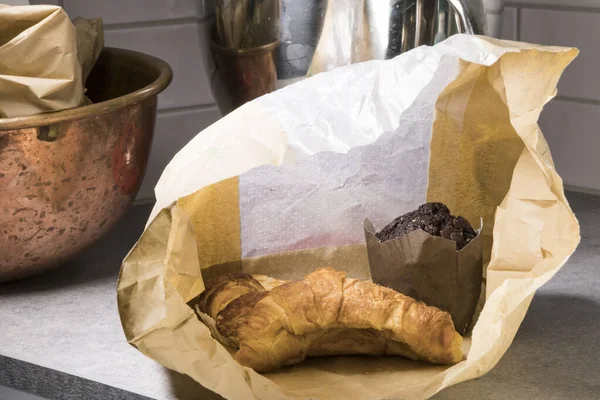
[67, 177]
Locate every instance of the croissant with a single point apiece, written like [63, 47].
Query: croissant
[325, 314]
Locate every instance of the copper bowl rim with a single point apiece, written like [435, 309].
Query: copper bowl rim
[162, 81]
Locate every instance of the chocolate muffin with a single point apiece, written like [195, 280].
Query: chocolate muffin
[433, 218]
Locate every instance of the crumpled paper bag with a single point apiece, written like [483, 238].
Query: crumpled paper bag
[281, 186]
[45, 59]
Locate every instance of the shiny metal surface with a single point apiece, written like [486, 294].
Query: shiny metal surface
[67, 177]
[250, 72]
[303, 38]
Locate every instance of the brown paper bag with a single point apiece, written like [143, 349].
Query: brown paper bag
[281, 187]
[42, 54]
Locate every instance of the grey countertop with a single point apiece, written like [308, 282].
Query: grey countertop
[61, 338]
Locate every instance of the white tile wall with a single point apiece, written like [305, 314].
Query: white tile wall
[555, 3]
[569, 28]
[571, 130]
[179, 45]
[15, 3]
[174, 129]
[570, 122]
[134, 10]
[509, 24]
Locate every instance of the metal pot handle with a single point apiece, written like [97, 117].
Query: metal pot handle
[418, 23]
[463, 15]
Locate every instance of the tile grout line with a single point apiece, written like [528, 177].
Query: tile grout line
[580, 189]
[518, 25]
[157, 23]
[557, 7]
[149, 24]
[577, 100]
[144, 201]
[197, 107]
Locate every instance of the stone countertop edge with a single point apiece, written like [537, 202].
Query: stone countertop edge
[52, 384]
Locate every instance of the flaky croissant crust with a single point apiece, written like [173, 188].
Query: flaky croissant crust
[327, 313]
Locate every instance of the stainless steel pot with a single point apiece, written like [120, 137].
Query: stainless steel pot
[259, 45]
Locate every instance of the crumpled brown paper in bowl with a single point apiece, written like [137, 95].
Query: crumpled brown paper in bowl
[281, 187]
[45, 59]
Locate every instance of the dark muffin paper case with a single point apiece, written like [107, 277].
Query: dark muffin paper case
[429, 269]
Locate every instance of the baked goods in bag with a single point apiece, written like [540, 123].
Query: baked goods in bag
[325, 314]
